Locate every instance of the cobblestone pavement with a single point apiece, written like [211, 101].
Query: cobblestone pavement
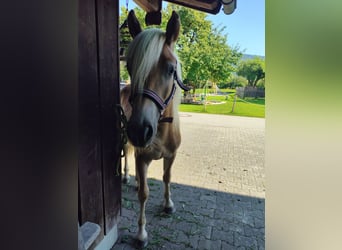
[218, 187]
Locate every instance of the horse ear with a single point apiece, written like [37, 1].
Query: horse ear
[172, 28]
[133, 24]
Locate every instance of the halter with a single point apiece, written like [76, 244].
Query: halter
[158, 101]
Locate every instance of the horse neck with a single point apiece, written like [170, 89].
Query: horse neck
[168, 133]
[172, 111]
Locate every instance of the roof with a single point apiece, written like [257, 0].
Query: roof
[209, 6]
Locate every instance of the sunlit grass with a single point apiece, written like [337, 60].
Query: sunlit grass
[251, 107]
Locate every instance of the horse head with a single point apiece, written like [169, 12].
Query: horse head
[152, 66]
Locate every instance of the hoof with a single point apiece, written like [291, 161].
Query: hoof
[125, 180]
[141, 243]
[169, 210]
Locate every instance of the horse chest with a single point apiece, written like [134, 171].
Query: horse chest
[157, 151]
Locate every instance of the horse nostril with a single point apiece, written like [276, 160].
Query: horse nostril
[148, 132]
[139, 135]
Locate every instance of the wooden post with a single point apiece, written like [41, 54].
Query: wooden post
[234, 103]
[205, 96]
[109, 82]
[89, 169]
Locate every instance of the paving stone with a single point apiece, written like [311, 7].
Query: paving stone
[249, 231]
[194, 240]
[211, 205]
[171, 246]
[234, 227]
[183, 226]
[215, 244]
[261, 244]
[259, 223]
[206, 212]
[248, 242]
[227, 246]
[248, 219]
[205, 231]
[204, 245]
[209, 197]
[260, 214]
[223, 215]
[210, 222]
[192, 217]
[227, 236]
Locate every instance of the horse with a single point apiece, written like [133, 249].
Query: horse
[150, 104]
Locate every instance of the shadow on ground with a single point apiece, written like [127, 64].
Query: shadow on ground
[205, 219]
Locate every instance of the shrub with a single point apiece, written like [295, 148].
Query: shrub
[235, 81]
[261, 83]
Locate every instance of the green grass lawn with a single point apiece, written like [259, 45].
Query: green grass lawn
[247, 107]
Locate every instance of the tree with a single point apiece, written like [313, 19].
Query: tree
[202, 48]
[253, 70]
[222, 60]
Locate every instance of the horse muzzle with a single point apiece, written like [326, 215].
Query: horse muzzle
[143, 124]
[140, 135]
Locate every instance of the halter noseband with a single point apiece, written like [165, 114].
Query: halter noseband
[158, 101]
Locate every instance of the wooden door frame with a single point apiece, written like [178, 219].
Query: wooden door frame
[99, 149]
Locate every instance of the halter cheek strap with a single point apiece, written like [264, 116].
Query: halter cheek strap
[179, 82]
[153, 96]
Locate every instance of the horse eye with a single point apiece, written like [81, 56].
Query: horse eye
[171, 69]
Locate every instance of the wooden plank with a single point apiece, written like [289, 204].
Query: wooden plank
[90, 175]
[108, 49]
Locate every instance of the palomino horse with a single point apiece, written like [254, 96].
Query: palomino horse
[151, 104]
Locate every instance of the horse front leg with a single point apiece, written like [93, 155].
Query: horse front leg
[169, 207]
[143, 193]
[126, 177]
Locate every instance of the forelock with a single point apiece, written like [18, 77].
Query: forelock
[143, 54]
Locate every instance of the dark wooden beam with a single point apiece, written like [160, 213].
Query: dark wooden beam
[109, 78]
[90, 172]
